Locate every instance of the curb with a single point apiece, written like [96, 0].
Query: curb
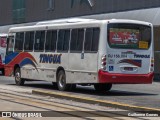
[94, 101]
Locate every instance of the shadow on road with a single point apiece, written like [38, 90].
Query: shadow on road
[87, 90]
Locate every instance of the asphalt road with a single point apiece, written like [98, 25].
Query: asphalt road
[19, 103]
[145, 95]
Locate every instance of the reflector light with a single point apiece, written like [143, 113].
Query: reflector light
[103, 62]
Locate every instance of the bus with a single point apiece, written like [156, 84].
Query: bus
[82, 52]
[3, 41]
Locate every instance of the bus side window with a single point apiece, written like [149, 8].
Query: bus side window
[91, 39]
[88, 39]
[19, 41]
[29, 40]
[10, 45]
[73, 42]
[39, 41]
[51, 39]
[63, 40]
[77, 37]
[60, 40]
[95, 40]
[66, 40]
[80, 39]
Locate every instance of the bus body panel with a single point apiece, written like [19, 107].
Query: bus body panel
[129, 61]
[77, 70]
[117, 78]
[47, 64]
[82, 68]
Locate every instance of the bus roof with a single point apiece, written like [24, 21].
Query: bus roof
[71, 23]
[67, 20]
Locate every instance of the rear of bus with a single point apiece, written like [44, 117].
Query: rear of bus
[128, 57]
[3, 40]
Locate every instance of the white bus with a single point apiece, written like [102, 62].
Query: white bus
[83, 52]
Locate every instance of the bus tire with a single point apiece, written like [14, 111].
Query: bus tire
[103, 86]
[61, 81]
[18, 80]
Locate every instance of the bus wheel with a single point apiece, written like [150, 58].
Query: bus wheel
[19, 81]
[61, 81]
[103, 87]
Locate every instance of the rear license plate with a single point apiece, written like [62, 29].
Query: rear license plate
[128, 68]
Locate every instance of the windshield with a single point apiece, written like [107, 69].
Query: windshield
[129, 36]
[3, 41]
[10, 45]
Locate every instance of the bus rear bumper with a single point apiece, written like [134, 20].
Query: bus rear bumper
[105, 77]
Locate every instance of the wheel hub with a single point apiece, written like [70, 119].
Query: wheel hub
[61, 81]
[17, 76]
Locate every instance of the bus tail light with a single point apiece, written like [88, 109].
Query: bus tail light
[152, 65]
[103, 62]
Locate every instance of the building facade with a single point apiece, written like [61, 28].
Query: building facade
[27, 11]
[23, 11]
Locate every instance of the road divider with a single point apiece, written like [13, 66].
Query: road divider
[89, 100]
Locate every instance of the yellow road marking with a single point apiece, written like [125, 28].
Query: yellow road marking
[102, 102]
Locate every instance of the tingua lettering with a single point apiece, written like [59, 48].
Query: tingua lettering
[50, 58]
[141, 56]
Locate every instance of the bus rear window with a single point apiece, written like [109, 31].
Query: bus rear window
[129, 36]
